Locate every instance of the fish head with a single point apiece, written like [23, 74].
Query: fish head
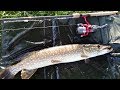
[92, 50]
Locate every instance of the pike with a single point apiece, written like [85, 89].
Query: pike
[31, 61]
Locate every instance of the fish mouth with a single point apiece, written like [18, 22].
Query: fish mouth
[109, 48]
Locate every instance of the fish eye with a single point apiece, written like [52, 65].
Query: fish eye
[98, 46]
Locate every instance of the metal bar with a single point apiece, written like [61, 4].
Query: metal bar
[55, 32]
[26, 20]
[37, 27]
[35, 17]
[115, 54]
[42, 42]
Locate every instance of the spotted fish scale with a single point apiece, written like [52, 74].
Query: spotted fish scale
[55, 55]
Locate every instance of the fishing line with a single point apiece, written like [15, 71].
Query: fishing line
[35, 27]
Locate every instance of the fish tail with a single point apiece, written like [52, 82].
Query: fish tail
[9, 72]
[6, 74]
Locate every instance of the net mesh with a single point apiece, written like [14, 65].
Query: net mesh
[20, 36]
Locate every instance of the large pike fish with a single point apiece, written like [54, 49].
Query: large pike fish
[31, 61]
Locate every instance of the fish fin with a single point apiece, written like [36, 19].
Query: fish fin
[6, 74]
[87, 61]
[26, 74]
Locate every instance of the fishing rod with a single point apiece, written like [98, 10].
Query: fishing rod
[74, 15]
[81, 29]
[37, 27]
[84, 29]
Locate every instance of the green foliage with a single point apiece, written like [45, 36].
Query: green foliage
[14, 14]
